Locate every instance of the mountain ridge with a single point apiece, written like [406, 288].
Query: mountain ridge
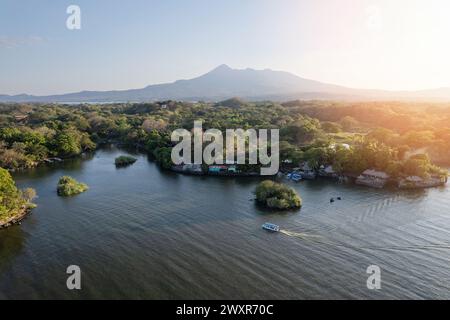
[224, 82]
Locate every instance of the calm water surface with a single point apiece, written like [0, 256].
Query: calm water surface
[142, 233]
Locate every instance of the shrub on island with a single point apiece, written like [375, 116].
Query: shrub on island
[277, 196]
[123, 161]
[68, 186]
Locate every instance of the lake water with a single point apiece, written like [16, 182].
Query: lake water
[143, 233]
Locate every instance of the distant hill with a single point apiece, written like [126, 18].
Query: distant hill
[224, 83]
[231, 103]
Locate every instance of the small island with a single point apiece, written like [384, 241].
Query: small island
[15, 204]
[124, 161]
[277, 196]
[68, 186]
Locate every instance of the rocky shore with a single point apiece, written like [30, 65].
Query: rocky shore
[16, 219]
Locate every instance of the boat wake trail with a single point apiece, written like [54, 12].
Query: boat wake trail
[299, 235]
[320, 240]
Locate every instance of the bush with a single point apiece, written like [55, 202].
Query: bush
[68, 186]
[124, 161]
[163, 156]
[277, 196]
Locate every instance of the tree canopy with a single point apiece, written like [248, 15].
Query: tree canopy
[381, 135]
[277, 196]
[12, 200]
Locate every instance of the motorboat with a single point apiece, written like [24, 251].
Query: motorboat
[271, 227]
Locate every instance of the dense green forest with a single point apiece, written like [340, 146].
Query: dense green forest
[399, 138]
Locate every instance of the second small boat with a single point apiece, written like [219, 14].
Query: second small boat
[294, 176]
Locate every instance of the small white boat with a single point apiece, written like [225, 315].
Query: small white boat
[294, 176]
[271, 227]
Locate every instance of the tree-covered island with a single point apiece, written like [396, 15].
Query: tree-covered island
[123, 161]
[68, 186]
[277, 196]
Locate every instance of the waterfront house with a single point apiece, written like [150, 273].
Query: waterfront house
[188, 168]
[192, 168]
[373, 178]
[21, 117]
[328, 171]
[217, 169]
[306, 171]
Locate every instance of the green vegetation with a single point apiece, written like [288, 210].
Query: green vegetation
[232, 103]
[277, 196]
[367, 153]
[24, 147]
[68, 186]
[124, 161]
[380, 135]
[13, 202]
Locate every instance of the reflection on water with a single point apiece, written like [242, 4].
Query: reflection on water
[11, 245]
[144, 233]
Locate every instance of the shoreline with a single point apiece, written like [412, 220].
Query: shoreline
[217, 174]
[349, 178]
[282, 171]
[16, 219]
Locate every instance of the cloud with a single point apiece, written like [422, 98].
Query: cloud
[8, 42]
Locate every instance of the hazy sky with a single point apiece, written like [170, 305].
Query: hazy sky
[384, 44]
